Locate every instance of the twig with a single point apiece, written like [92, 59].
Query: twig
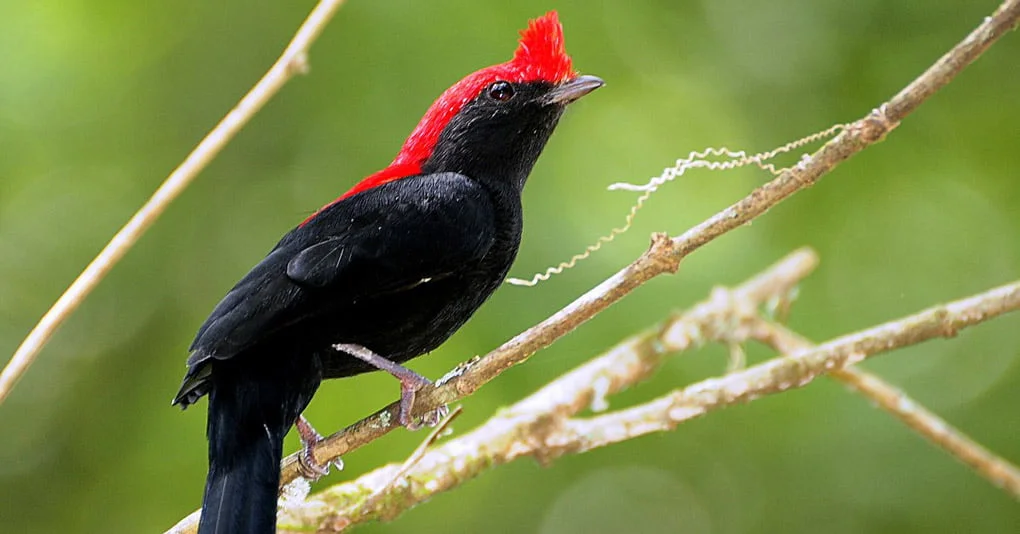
[543, 427]
[371, 500]
[293, 61]
[792, 371]
[998, 471]
[665, 254]
[414, 458]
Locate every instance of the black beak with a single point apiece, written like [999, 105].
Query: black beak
[573, 89]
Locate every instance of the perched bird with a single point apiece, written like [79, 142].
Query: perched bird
[385, 273]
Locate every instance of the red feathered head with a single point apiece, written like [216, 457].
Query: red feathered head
[540, 57]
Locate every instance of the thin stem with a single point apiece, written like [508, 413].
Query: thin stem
[1000, 472]
[543, 426]
[293, 61]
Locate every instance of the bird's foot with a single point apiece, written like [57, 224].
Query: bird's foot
[309, 467]
[409, 386]
[434, 417]
[410, 383]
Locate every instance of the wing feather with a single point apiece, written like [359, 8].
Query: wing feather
[386, 239]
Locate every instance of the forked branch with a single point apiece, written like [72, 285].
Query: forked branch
[998, 471]
[543, 426]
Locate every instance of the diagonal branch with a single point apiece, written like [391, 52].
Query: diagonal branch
[793, 371]
[998, 471]
[543, 425]
[665, 254]
[293, 61]
[530, 427]
[628, 363]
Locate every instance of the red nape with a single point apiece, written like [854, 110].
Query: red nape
[540, 57]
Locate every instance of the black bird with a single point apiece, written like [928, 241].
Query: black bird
[388, 271]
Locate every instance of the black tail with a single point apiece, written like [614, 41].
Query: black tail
[250, 411]
[243, 482]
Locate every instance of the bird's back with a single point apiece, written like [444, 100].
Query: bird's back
[397, 268]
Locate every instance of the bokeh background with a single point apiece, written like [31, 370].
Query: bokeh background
[99, 100]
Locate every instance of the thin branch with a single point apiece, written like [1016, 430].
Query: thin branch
[998, 471]
[543, 427]
[665, 254]
[792, 371]
[860, 134]
[293, 61]
[373, 500]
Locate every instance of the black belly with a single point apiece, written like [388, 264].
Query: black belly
[398, 326]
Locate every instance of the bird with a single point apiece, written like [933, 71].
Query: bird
[384, 273]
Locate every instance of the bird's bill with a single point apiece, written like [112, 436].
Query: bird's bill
[573, 89]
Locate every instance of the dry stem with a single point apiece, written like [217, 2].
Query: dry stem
[998, 471]
[543, 425]
[293, 61]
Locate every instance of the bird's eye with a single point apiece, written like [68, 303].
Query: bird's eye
[501, 91]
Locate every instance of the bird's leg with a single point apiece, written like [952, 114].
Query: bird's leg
[309, 467]
[410, 383]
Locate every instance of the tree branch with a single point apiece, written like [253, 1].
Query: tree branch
[792, 371]
[542, 426]
[998, 471]
[293, 61]
[665, 254]
[628, 363]
[532, 426]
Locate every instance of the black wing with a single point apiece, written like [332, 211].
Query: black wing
[386, 239]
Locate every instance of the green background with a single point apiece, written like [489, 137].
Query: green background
[99, 100]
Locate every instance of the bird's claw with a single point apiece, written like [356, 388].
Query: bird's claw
[430, 418]
[410, 383]
[434, 417]
[408, 390]
[308, 466]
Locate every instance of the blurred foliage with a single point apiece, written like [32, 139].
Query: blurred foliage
[99, 100]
